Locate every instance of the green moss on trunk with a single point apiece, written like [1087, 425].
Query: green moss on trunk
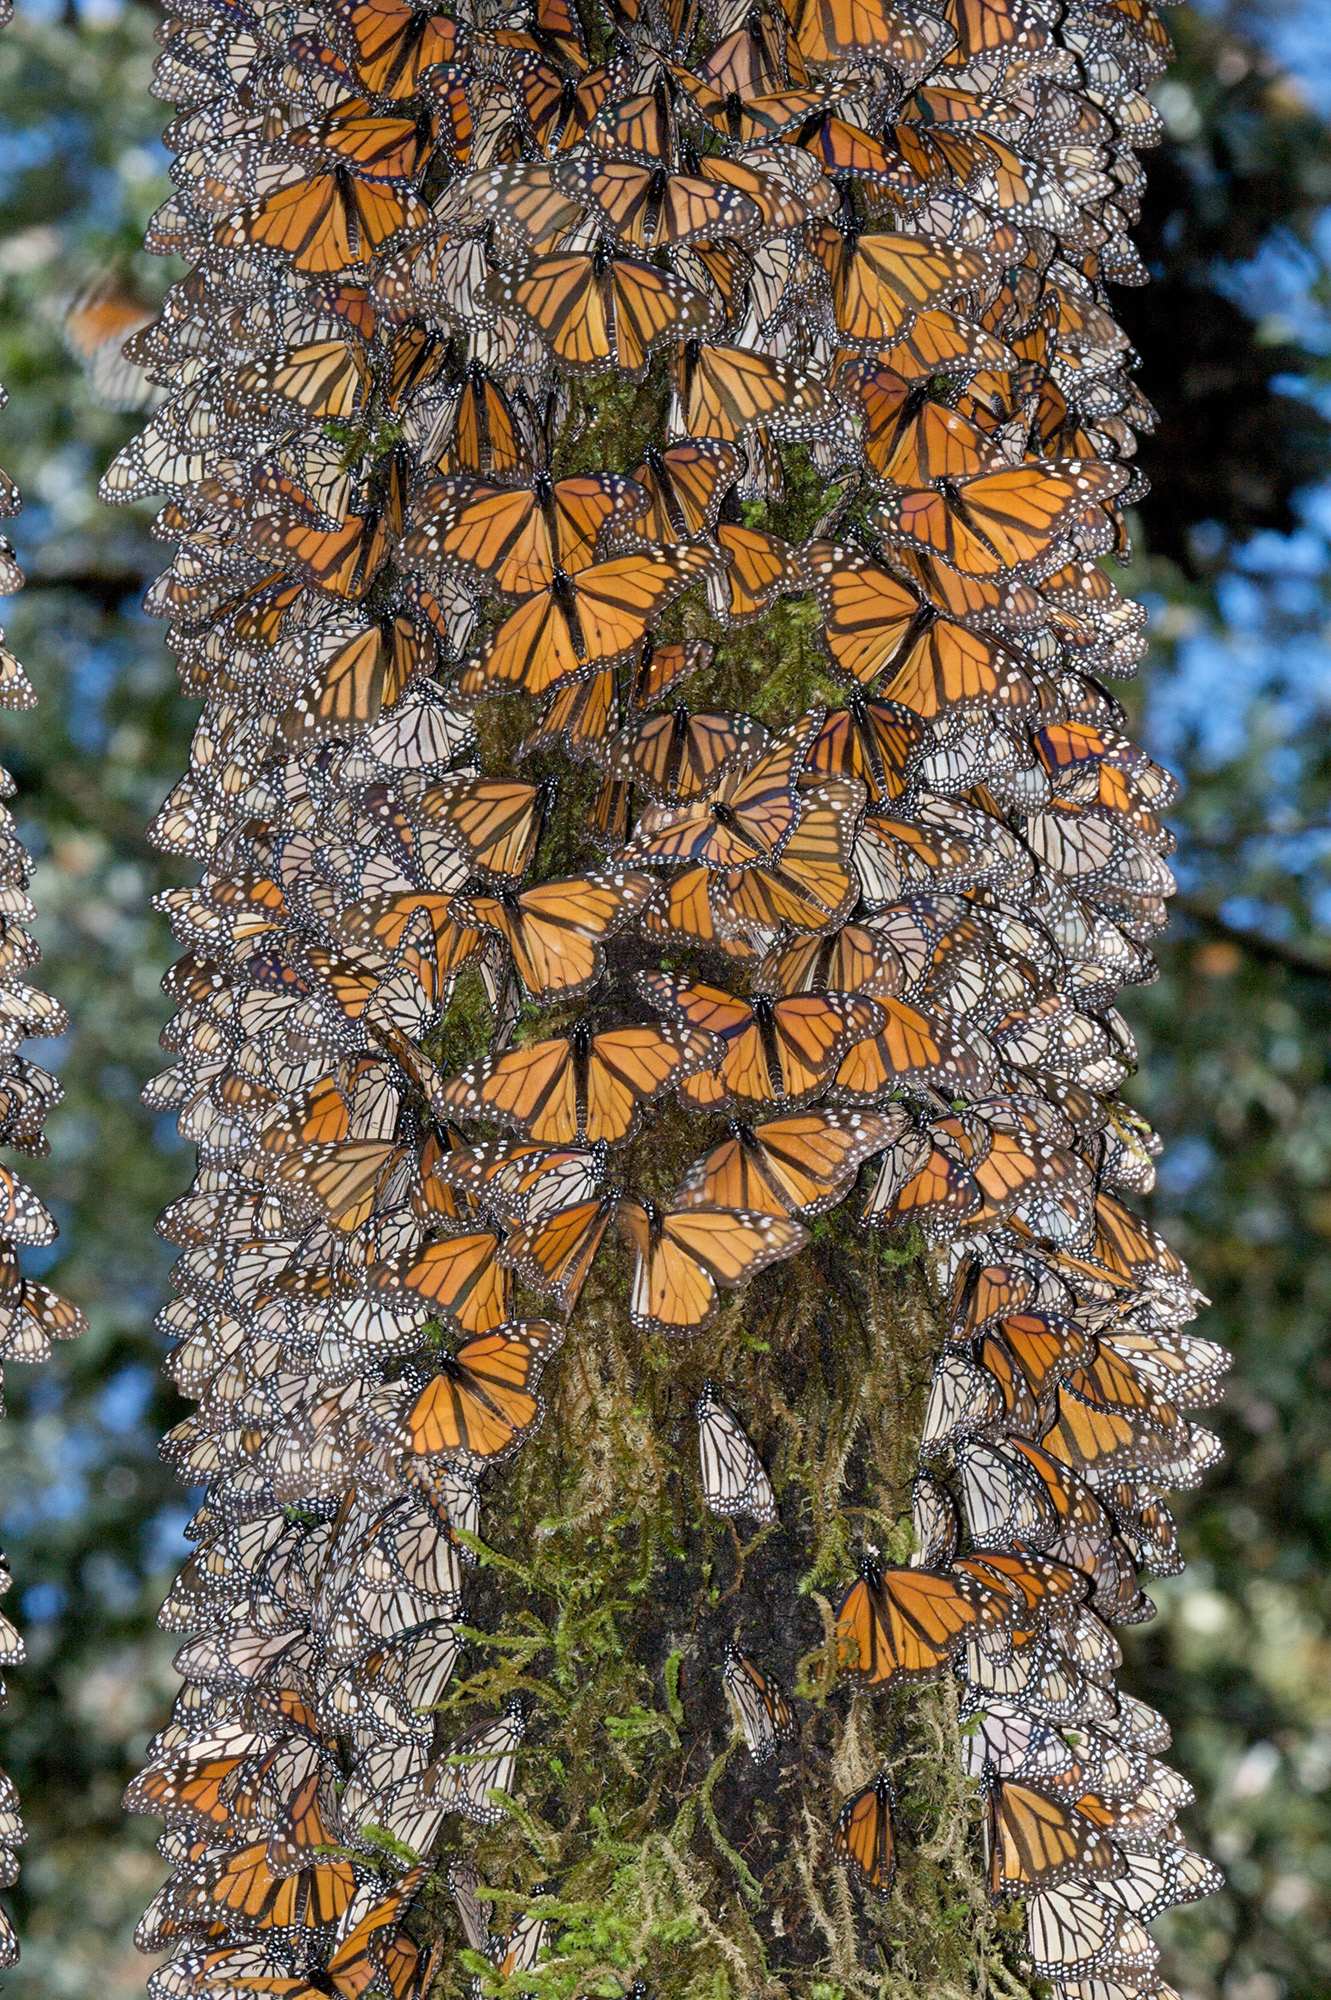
[606, 1594]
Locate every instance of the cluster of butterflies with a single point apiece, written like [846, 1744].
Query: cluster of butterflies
[31, 1314]
[526, 865]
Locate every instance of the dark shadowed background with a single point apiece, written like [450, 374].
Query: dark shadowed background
[1234, 557]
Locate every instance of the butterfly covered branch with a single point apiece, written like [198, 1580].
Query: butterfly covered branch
[32, 1316]
[638, 479]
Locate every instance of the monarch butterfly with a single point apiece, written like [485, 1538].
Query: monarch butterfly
[1090, 1432]
[862, 1836]
[498, 824]
[742, 99]
[909, 1047]
[483, 1398]
[558, 109]
[98, 321]
[872, 741]
[1034, 1580]
[763, 1711]
[880, 278]
[323, 1113]
[1071, 1928]
[811, 885]
[299, 1831]
[582, 1087]
[384, 922]
[487, 436]
[685, 486]
[789, 1166]
[517, 1182]
[458, 1278]
[685, 1256]
[773, 1050]
[329, 221]
[522, 1944]
[934, 1524]
[1027, 1353]
[350, 1182]
[733, 1478]
[402, 992]
[1037, 1842]
[579, 716]
[600, 311]
[358, 671]
[911, 441]
[394, 43]
[483, 1760]
[723, 392]
[750, 815]
[980, 600]
[985, 1292]
[651, 209]
[760, 568]
[326, 378]
[681, 756]
[244, 1886]
[993, 521]
[853, 959]
[905, 1624]
[520, 538]
[555, 932]
[343, 561]
[596, 617]
[869, 613]
[464, 1882]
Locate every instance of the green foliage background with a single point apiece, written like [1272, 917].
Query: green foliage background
[1235, 1038]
